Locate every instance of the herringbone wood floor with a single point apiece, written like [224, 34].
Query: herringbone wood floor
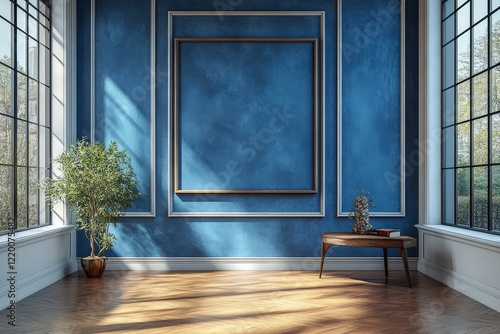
[250, 302]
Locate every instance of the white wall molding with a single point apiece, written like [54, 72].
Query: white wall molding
[172, 212]
[152, 99]
[255, 263]
[402, 121]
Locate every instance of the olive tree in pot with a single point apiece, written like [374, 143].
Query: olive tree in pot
[98, 183]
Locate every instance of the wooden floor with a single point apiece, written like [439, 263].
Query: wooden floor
[250, 302]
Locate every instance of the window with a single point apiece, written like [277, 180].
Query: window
[471, 114]
[24, 111]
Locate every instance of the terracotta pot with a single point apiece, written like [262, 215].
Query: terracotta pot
[93, 267]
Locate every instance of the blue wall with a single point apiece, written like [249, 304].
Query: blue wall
[123, 114]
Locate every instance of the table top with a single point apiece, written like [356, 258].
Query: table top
[367, 240]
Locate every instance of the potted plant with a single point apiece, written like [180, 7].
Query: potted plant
[98, 183]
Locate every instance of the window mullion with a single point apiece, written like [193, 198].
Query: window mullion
[14, 105]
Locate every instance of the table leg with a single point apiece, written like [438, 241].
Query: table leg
[324, 248]
[405, 262]
[385, 262]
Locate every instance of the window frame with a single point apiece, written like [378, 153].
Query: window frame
[471, 166]
[37, 15]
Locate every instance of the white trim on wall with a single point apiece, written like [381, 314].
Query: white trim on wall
[429, 113]
[321, 116]
[340, 212]
[256, 263]
[152, 212]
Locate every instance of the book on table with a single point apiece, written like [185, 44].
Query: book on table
[385, 232]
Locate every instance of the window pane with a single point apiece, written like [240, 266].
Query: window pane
[22, 197]
[463, 57]
[44, 35]
[463, 196]
[449, 196]
[32, 27]
[495, 4]
[495, 197]
[6, 88]
[33, 197]
[461, 2]
[480, 141]
[449, 147]
[33, 145]
[22, 50]
[480, 33]
[33, 58]
[44, 212]
[22, 3]
[44, 9]
[6, 42]
[463, 144]
[22, 142]
[495, 38]
[495, 138]
[449, 106]
[6, 196]
[21, 19]
[44, 147]
[32, 11]
[480, 198]
[22, 83]
[448, 29]
[43, 20]
[448, 7]
[480, 95]
[480, 8]
[44, 65]
[449, 65]
[6, 140]
[463, 101]
[33, 101]
[44, 106]
[463, 18]
[495, 89]
[6, 9]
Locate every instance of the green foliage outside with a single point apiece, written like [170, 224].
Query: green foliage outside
[98, 183]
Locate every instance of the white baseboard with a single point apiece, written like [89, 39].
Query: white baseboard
[255, 263]
[469, 286]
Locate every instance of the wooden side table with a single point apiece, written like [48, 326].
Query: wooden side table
[364, 240]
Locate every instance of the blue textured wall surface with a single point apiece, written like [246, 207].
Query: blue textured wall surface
[245, 104]
[118, 72]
